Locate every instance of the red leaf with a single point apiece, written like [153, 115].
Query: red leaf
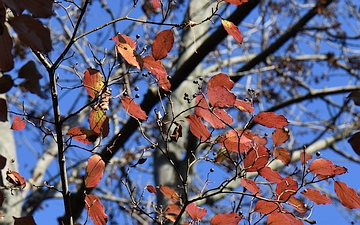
[236, 141]
[7, 59]
[32, 33]
[95, 209]
[227, 218]
[280, 135]
[256, 158]
[26, 220]
[305, 157]
[163, 44]
[3, 110]
[82, 135]
[322, 167]
[172, 211]
[220, 80]
[340, 170]
[347, 195]
[196, 213]
[155, 3]
[151, 189]
[93, 82]
[18, 123]
[270, 175]
[283, 155]
[355, 96]
[130, 55]
[217, 118]
[15, 178]
[155, 67]
[236, 2]
[6, 83]
[169, 193]
[197, 128]
[354, 141]
[99, 122]
[271, 120]
[133, 108]
[244, 106]
[232, 30]
[286, 188]
[251, 186]
[124, 39]
[298, 205]
[94, 171]
[221, 97]
[265, 207]
[316, 196]
[283, 218]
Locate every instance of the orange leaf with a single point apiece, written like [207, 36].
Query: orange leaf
[15, 178]
[32, 33]
[236, 2]
[354, 141]
[26, 220]
[227, 218]
[3, 110]
[244, 106]
[280, 135]
[283, 218]
[232, 30]
[270, 175]
[197, 128]
[347, 195]
[298, 205]
[172, 211]
[133, 108]
[236, 141]
[99, 122]
[316, 196]
[217, 118]
[124, 39]
[130, 55]
[94, 171]
[95, 210]
[18, 123]
[283, 155]
[155, 67]
[265, 207]
[196, 213]
[322, 167]
[93, 82]
[6, 83]
[251, 186]
[163, 44]
[82, 135]
[256, 158]
[169, 193]
[151, 189]
[286, 188]
[271, 120]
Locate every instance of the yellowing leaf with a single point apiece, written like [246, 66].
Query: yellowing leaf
[232, 30]
[122, 38]
[99, 122]
[94, 171]
[93, 82]
[163, 44]
[130, 55]
[133, 108]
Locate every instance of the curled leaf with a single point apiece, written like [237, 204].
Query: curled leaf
[15, 178]
[232, 30]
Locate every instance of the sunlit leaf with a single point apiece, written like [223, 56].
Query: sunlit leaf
[283, 218]
[163, 44]
[322, 167]
[256, 158]
[124, 39]
[197, 128]
[220, 80]
[236, 2]
[286, 188]
[32, 33]
[93, 82]
[133, 108]
[316, 196]
[244, 106]
[82, 135]
[156, 68]
[235, 141]
[172, 211]
[227, 218]
[94, 171]
[265, 207]
[151, 189]
[169, 193]
[25, 220]
[270, 175]
[355, 96]
[283, 155]
[3, 110]
[95, 209]
[15, 178]
[280, 136]
[354, 141]
[99, 122]
[232, 30]
[347, 195]
[340, 170]
[298, 205]
[251, 186]
[195, 212]
[130, 55]
[271, 120]
[18, 123]
[6, 83]
[221, 97]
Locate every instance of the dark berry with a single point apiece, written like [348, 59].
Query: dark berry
[137, 36]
